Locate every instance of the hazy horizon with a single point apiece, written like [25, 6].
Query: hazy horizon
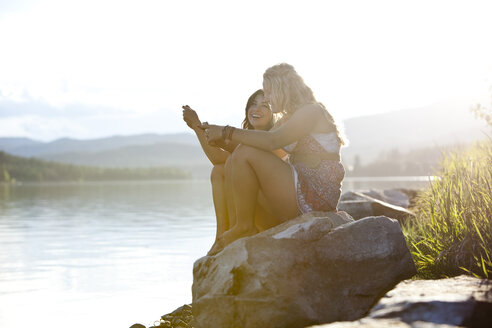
[182, 128]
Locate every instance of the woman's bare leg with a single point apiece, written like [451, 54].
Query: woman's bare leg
[254, 170]
[263, 217]
[229, 195]
[219, 197]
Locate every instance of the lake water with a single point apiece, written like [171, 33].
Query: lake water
[108, 254]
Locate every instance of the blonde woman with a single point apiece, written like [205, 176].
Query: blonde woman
[310, 181]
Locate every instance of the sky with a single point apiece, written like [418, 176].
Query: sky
[96, 68]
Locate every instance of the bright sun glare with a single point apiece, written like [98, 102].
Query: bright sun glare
[70, 66]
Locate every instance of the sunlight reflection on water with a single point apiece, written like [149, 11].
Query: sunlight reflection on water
[100, 254]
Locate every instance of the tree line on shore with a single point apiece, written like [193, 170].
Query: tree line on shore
[19, 169]
[416, 162]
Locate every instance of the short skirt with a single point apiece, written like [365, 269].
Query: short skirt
[318, 189]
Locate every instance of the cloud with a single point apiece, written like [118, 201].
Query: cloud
[39, 128]
[22, 114]
[12, 109]
[14, 5]
[27, 105]
[42, 121]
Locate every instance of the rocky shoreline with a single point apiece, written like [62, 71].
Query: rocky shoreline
[462, 301]
[179, 318]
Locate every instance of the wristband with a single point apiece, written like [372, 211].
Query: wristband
[230, 132]
[224, 132]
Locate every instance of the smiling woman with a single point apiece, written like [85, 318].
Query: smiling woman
[309, 181]
[258, 116]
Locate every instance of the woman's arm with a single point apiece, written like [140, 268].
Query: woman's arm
[229, 147]
[214, 154]
[301, 123]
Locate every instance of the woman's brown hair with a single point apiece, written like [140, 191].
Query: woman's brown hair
[246, 123]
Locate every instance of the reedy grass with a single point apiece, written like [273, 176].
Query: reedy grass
[452, 231]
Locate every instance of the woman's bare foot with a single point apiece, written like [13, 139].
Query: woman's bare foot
[216, 247]
[230, 236]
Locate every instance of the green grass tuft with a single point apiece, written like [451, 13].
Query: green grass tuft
[452, 231]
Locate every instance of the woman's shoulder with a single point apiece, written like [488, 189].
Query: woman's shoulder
[312, 107]
[312, 110]
[318, 111]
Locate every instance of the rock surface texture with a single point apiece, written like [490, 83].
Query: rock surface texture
[398, 197]
[310, 270]
[456, 302]
[360, 205]
[179, 318]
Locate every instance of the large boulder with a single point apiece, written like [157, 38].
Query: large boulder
[310, 270]
[455, 302]
[360, 205]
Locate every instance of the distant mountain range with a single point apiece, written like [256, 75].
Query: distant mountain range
[438, 125]
[147, 150]
[28, 147]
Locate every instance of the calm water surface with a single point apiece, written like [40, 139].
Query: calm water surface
[107, 254]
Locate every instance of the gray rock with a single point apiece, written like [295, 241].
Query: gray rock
[411, 194]
[398, 197]
[359, 206]
[181, 317]
[137, 325]
[382, 323]
[358, 209]
[310, 270]
[390, 196]
[456, 302]
[352, 195]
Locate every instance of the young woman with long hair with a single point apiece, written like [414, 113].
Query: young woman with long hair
[258, 116]
[309, 181]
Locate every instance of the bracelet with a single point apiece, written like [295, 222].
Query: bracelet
[227, 133]
[224, 132]
[230, 132]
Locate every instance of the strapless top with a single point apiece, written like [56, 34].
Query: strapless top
[311, 143]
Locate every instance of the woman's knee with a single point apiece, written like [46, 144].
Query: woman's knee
[217, 173]
[228, 164]
[242, 153]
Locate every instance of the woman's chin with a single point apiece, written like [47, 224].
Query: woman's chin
[259, 125]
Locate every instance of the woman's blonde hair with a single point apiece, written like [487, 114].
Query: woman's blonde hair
[289, 92]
